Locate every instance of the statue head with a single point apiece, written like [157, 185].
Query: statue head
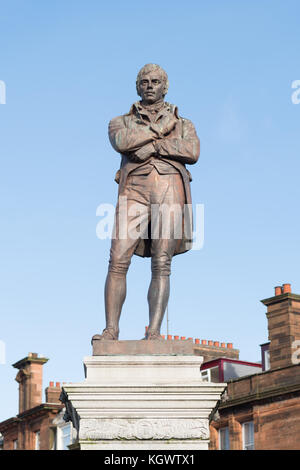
[152, 83]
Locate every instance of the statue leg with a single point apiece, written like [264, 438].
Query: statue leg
[158, 296]
[114, 297]
[159, 289]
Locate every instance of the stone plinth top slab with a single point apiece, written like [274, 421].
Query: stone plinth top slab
[142, 347]
[148, 369]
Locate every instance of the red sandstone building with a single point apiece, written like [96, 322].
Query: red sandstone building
[33, 427]
[262, 411]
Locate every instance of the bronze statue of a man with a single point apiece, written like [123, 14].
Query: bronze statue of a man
[155, 144]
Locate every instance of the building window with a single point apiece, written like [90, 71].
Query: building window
[15, 444]
[205, 375]
[53, 438]
[265, 356]
[210, 375]
[267, 359]
[248, 436]
[224, 439]
[64, 437]
[37, 440]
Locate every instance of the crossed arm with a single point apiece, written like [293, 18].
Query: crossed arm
[141, 143]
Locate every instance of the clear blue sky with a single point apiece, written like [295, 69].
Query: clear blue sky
[69, 67]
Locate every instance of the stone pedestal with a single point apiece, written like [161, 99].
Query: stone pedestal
[141, 401]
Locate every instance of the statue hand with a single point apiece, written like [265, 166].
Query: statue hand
[143, 153]
[167, 124]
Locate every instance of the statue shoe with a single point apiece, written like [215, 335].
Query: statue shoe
[154, 336]
[107, 334]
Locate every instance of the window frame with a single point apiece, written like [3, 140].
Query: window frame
[37, 440]
[227, 438]
[59, 438]
[267, 359]
[251, 444]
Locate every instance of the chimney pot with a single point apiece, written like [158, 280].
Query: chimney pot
[286, 288]
[204, 341]
[278, 290]
[210, 342]
[51, 384]
[229, 345]
[182, 337]
[169, 337]
[217, 344]
[176, 337]
[57, 384]
[197, 341]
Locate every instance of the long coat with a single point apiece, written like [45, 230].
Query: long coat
[131, 134]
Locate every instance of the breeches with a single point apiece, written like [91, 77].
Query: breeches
[150, 208]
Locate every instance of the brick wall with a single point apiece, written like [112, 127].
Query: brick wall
[278, 425]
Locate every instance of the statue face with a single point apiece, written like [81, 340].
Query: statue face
[151, 87]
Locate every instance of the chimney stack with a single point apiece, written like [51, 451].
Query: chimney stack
[283, 314]
[53, 392]
[30, 379]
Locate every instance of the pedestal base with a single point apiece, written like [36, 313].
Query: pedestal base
[145, 402]
[151, 445]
